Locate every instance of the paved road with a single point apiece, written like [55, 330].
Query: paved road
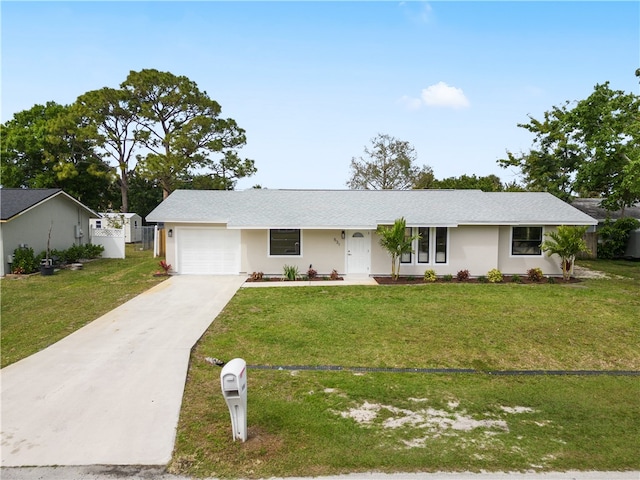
[110, 393]
[148, 473]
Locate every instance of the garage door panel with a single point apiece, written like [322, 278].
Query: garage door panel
[208, 251]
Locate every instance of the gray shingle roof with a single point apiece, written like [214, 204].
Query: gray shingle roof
[264, 208]
[591, 206]
[16, 200]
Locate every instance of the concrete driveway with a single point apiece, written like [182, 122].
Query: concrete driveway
[110, 393]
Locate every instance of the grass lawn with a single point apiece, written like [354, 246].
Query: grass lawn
[316, 423]
[37, 311]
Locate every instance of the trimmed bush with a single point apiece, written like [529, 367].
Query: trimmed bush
[463, 275]
[535, 274]
[494, 275]
[430, 276]
[25, 261]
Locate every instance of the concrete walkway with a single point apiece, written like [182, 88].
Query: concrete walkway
[110, 393]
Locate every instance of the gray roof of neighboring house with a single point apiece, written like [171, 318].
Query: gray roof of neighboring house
[14, 201]
[591, 206]
[264, 208]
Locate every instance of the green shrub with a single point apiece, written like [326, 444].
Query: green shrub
[448, 277]
[92, 251]
[430, 276]
[535, 274]
[25, 261]
[516, 278]
[494, 275]
[77, 252]
[614, 236]
[482, 279]
[290, 272]
[463, 275]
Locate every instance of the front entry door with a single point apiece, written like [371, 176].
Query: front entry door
[358, 252]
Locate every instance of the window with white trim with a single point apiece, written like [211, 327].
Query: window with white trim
[526, 241]
[423, 245]
[406, 257]
[284, 242]
[441, 244]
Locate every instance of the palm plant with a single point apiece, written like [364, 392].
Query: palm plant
[566, 242]
[394, 239]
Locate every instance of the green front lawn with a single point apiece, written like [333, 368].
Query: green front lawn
[317, 423]
[37, 311]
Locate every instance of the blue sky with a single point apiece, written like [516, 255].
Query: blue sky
[313, 82]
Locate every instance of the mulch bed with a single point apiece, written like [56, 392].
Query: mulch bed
[281, 279]
[505, 279]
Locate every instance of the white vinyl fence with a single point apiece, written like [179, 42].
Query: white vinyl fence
[112, 239]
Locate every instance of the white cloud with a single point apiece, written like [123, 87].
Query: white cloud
[443, 95]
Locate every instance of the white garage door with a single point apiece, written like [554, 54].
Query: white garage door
[208, 251]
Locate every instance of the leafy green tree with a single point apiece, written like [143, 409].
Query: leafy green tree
[551, 165]
[607, 123]
[591, 148]
[566, 242]
[394, 239]
[490, 183]
[614, 237]
[180, 127]
[144, 194]
[110, 119]
[388, 165]
[43, 147]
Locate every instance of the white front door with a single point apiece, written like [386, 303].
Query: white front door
[358, 252]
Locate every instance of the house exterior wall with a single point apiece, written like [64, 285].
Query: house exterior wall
[32, 228]
[474, 248]
[509, 264]
[324, 249]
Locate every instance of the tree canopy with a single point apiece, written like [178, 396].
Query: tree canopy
[43, 148]
[589, 148]
[389, 164]
[156, 131]
[181, 129]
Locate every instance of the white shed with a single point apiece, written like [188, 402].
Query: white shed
[131, 222]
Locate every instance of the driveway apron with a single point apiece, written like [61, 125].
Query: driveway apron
[110, 393]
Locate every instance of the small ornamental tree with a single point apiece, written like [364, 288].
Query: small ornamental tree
[566, 242]
[394, 239]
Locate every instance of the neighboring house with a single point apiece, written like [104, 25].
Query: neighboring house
[261, 230]
[131, 222]
[28, 214]
[591, 206]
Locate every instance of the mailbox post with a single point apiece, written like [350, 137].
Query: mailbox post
[233, 380]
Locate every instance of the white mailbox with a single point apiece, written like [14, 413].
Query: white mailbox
[233, 380]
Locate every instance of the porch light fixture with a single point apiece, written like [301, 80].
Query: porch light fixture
[342, 235]
[170, 233]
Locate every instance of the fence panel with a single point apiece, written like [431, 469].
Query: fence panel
[112, 239]
[591, 239]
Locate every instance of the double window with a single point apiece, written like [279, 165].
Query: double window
[284, 242]
[526, 241]
[433, 241]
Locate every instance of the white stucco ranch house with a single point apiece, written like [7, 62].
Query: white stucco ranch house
[261, 230]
